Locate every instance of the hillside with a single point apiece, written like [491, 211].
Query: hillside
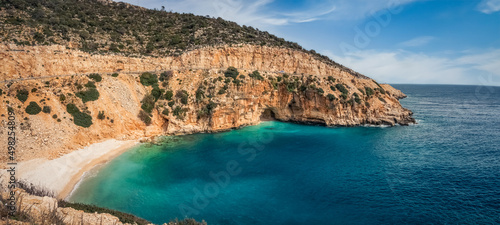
[98, 26]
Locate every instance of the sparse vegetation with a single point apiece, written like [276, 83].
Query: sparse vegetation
[88, 95]
[165, 112]
[114, 75]
[101, 115]
[179, 112]
[96, 77]
[148, 103]
[168, 95]
[231, 72]
[22, 95]
[148, 79]
[342, 88]
[256, 75]
[369, 92]
[33, 108]
[331, 97]
[79, 118]
[46, 109]
[144, 117]
[183, 96]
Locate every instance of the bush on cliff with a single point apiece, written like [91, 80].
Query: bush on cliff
[90, 94]
[256, 75]
[231, 72]
[148, 79]
[369, 91]
[342, 88]
[46, 109]
[33, 108]
[82, 119]
[148, 103]
[144, 117]
[183, 95]
[95, 76]
[168, 95]
[22, 95]
[331, 97]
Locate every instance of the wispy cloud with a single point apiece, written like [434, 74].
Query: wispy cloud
[259, 13]
[417, 42]
[408, 67]
[489, 6]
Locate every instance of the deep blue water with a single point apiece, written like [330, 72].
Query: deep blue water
[444, 170]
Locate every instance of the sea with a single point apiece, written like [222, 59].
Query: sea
[443, 170]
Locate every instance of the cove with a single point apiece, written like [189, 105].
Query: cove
[442, 170]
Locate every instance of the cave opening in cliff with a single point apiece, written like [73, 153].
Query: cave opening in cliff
[268, 115]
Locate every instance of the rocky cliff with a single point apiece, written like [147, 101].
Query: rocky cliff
[195, 94]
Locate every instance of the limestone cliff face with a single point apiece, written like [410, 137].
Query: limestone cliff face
[308, 93]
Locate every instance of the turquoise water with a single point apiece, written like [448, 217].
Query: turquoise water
[445, 170]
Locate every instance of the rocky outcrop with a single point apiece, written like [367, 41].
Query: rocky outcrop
[291, 86]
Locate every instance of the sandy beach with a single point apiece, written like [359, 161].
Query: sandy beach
[62, 174]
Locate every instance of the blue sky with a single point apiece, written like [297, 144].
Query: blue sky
[392, 41]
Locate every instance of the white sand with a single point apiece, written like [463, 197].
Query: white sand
[62, 174]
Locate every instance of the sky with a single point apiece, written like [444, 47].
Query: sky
[391, 41]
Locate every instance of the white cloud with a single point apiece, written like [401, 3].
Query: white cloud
[417, 42]
[408, 67]
[258, 13]
[489, 6]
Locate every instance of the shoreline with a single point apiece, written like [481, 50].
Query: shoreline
[61, 175]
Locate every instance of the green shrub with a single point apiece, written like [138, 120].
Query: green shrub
[285, 76]
[90, 84]
[101, 115]
[343, 96]
[22, 95]
[33, 108]
[242, 76]
[256, 75]
[90, 94]
[320, 91]
[333, 88]
[361, 90]
[331, 97]
[237, 82]
[369, 91]
[148, 79]
[200, 94]
[157, 92]
[46, 109]
[114, 75]
[231, 72]
[165, 112]
[221, 91]
[62, 97]
[342, 88]
[33, 90]
[356, 98]
[166, 75]
[171, 104]
[168, 95]
[1, 92]
[54, 116]
[144, 117]
[183, 95]
[82, 119]
[148, 103]
[210, 107]
[95, 76]
[381, 90]
[367, 104]
[382, 100]
[72, 109]
[179, 112]
[330, 78]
